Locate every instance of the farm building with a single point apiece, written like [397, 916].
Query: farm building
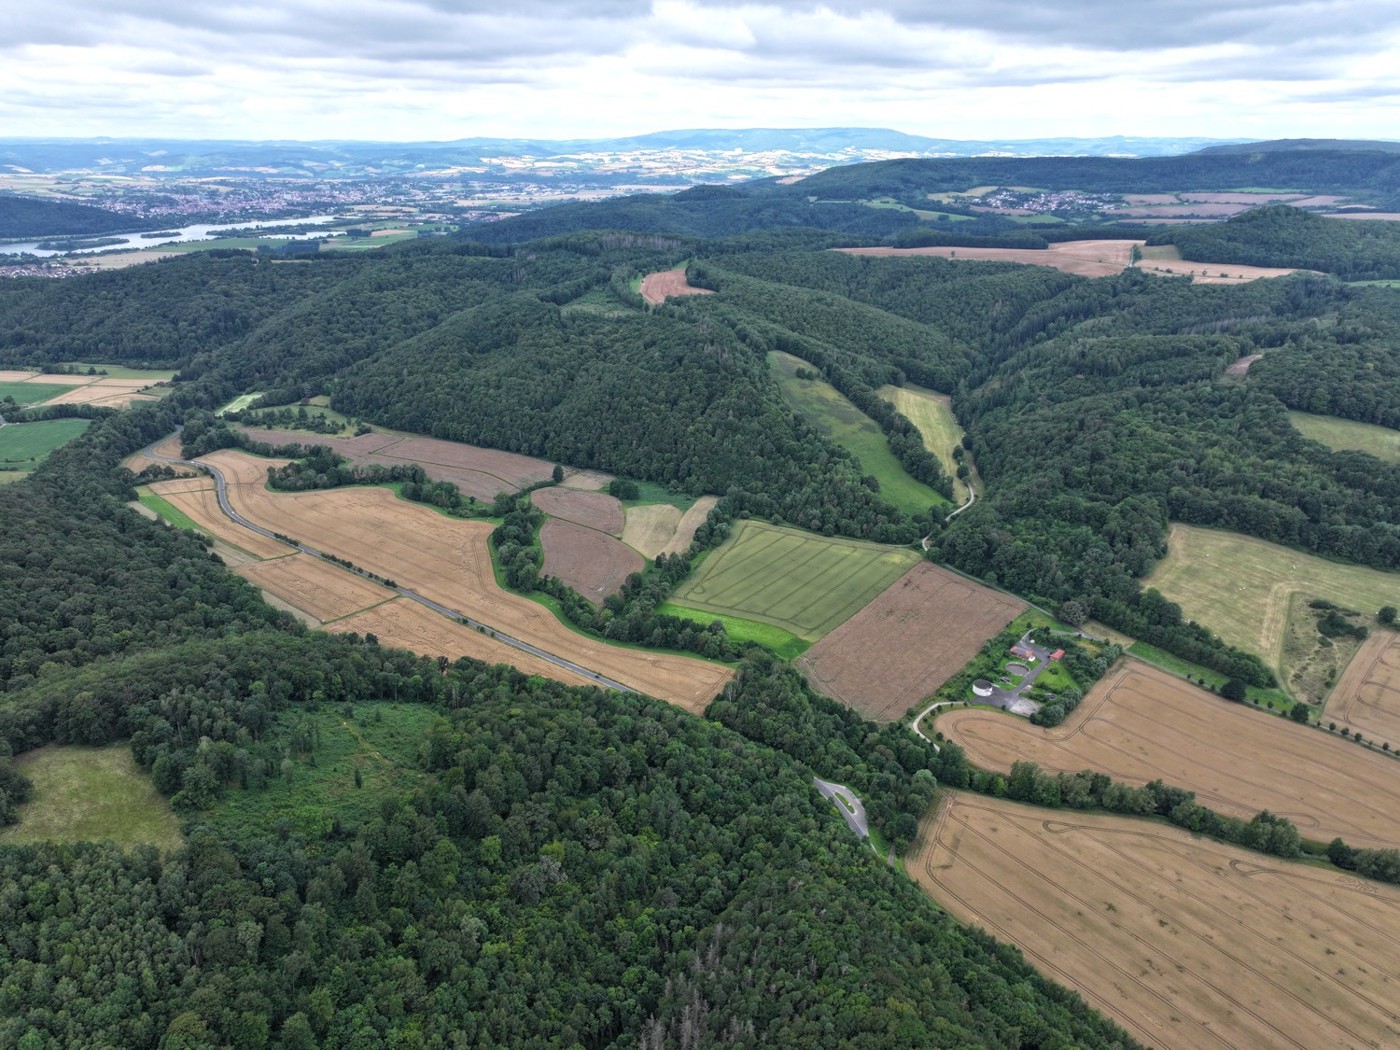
[1022, 652]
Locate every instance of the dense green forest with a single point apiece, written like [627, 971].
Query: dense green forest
[1353, 249]
[22, 217]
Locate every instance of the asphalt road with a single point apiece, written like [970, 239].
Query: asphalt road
[221, 490]
[844, 799]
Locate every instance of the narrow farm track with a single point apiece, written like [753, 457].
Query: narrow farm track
[222, 485]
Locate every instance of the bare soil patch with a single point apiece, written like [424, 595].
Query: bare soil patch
[449, 561]
[1367, 697]
[657, 286]
[319, 589]
[595, 510]
[1241, 366]
[1182, 941]
[591, 562]
[907, 642]
[1389, 216]
[588, 480]
[1140, 724]
[1086, 258]
[408, 625]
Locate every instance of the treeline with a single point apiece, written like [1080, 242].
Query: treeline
[320, 467]
[1278, 235]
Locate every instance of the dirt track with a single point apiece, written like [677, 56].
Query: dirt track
[1141, 724]
[1185, 942]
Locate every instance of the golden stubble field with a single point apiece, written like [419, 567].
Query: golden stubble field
[448, 561]
[1183, 941]
[1367, 696]
[1140, 724]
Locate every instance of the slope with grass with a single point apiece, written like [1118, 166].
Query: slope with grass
[842, 423]
[932, 413]
[23, 446]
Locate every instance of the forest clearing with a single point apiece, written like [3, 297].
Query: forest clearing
[1342, 434]
[657, 287]
[906, 643]
[1141, 724]
[1366, 699]
[1183, 941]
[86, 794]
[1240, 587]
[449, 561]
[1083, 258]
[799, 581]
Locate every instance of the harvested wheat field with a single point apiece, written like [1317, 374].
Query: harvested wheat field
[654, 529]
[195, 497]
[587, 480]
[594, 510]
[90, 390]
[591, 562]
[448, 561]
[907, 642]
[408, 625]
[1183, 941]
[1085, 258]
[1367, 696]
[319, 589]
[1140, 724]
[657, 286]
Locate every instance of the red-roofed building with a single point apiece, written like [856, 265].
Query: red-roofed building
[1058, 654]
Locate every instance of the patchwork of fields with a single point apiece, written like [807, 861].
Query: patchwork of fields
[1182, 941]
[449, 561]
[110, 391]
[804, 583]
[1141, 724]
[908, 641]
[1240, 587]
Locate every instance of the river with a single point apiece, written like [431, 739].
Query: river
[183, 234]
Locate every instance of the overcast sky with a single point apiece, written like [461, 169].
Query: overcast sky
[447, 69]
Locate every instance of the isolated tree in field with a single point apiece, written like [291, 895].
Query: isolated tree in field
[1233, 689]
[1387, 615]
[1299, 712]
[558, 474]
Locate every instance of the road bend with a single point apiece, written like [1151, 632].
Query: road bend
[221, 491]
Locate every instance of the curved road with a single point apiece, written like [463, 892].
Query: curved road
[221, 491]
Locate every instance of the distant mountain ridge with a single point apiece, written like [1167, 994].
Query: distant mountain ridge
[1288, 145]
[760, 152]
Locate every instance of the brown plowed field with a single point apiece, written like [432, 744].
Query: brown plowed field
[907, 642]
[1184, 942]
[1086, 258]
[1367, 696]
[408, 625]
[195, 496]
[1141, 724]
[589, 561]
[479, 472]
[657, 286]
[449, 561]
[596, 510]
[319, 589]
